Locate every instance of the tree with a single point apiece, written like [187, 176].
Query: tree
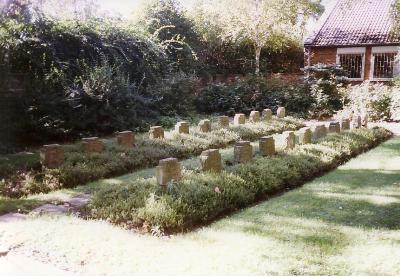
[262, 22]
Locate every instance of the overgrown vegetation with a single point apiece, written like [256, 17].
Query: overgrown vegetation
[201, 197]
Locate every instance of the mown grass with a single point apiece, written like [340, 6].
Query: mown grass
[343, 223]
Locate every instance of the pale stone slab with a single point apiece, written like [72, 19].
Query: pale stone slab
[211, 160]
[305, 135]
[334, 127]
[243, 152]
[290, 139]
[267, 146]
[168, 170]
[239, 119]
[281, 112]
[93, 145]
[182, 128]
[255, 116]
[52, 156]
[267, 114]
[345, 124]
[205, 126]
[126, 139]
[223, 121]
[364, 120]
[156, 132]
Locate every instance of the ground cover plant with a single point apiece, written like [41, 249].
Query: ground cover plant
[80, 168]
[202, 197]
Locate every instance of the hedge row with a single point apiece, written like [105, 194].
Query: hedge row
[201, 197]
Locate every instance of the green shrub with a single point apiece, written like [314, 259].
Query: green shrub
[202, 197]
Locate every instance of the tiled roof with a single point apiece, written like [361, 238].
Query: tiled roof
[356, 22]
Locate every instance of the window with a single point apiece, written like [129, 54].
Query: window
[352, 61]
[384, 63]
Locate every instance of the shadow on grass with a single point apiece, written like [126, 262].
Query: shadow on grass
[8, 205]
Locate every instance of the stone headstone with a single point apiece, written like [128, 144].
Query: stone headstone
[93, 145]
[205, 126]
[267, 146]
[364, 120]
[223, 121]
[345, 124]
[267, 114]
[239, 119]
[243, 152]
[126, 139]
[319, 131]
[289, 139]
[168, 170]
[182, 127]
[334, 127]
[281, 112]
[356, 121]
[52, 156]
[156, 132]
[211, 160]
[254, 116]
[305, 135]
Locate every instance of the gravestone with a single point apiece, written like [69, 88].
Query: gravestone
[305, 135]
[254, 116]
[289, 139]
[239, 119]
[223, 121]
[319, 131]
[182, 127]
[205, 126]
[93, 145]
[345, 124]
[168, 170]
[356, 121]
[364, 120]
[281, 112]
[334, 127]
[267, 114]
[243, 152]
[211, 160]
[126, 139]
[267, 146]
[156, 132]
[52, 156]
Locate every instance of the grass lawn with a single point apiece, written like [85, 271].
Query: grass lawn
[346, 222]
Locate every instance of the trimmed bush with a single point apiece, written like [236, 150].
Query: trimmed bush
[201, 197]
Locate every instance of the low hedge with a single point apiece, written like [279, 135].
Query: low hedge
[201, 197]
[80, 168]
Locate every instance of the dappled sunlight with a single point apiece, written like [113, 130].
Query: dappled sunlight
[374, 199]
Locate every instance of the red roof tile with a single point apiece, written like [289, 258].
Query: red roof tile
[366, 22]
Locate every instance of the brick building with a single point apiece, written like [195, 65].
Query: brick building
[358, 35]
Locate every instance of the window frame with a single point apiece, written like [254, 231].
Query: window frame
[353, 51]
[384, 50]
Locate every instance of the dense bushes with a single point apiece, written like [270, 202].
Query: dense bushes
[199, 198]
[254, 93]
[80, 168]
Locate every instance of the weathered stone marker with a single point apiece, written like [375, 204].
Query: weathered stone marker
[356, 121]
[254, 116]
[93, 145]
[305, 135]
[267, 114]
[239, 119]
[345, 124]
[223, 121]
[52, 156]
[156, 132]
[319, 131]
[126, 139]
[168, 170]
[182, 127]
[281, 112]
[243, 152]
[334, 127]
[211, 160]
[267, 146]
[364, 120]
[205, 126]
[289, 139]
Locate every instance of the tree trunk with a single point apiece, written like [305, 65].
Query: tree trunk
[258, 53]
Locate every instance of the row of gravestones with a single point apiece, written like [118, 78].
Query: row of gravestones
[52, 156]
[169, 169]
